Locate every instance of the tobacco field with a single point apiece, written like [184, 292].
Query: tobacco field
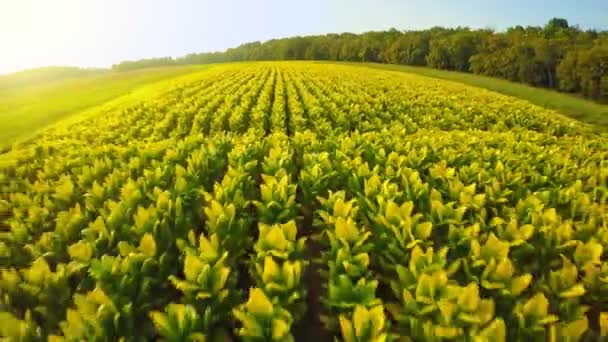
[308, 202]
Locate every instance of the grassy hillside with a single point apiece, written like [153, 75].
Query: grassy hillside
[35, 99]
[574, 107]
[42, 76]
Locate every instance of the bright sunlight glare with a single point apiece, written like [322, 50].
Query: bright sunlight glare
[38, 33]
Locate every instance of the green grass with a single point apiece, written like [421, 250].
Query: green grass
[30, 101]
[575, 107]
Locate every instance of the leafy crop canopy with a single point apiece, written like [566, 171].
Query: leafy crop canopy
[253, 197]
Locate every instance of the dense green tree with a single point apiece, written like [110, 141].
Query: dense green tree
[568, 73]
[593, 70]
[319, 49]
[410, 48]
[143, 63]
[439, 56]
[547, 54]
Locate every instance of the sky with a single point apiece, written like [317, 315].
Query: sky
[98, 33]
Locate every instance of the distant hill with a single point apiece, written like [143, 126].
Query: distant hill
[39, 76]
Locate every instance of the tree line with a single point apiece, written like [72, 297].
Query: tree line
[556, 55]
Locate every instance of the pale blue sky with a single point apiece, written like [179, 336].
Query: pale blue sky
[101, 32]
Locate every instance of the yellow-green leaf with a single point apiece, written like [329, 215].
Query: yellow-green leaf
[469, 298]
[38, 272]
[290, 230]
[589, 252]
[276, 238]
[160, 321]
[271, 269]
[81, 251]
[346, 229]
[147, 245]
[98, 296]
[192, 267]
[495, 332]
[346, 328]
[376, 315]
[280, 328]
[504, 269]
[575, 291]
[603, 320]
[575, 330]
[536, 306]
[258, 303]
[361, 320]
[424, 230]
[520, 284]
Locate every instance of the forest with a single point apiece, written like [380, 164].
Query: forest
[556, 56]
